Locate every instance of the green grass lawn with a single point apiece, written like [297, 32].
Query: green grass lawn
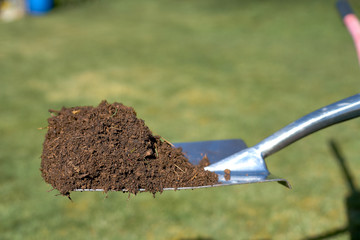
[193, 70]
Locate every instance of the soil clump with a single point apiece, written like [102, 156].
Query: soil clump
[107, 147]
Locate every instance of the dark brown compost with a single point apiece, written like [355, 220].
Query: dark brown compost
[108, 147]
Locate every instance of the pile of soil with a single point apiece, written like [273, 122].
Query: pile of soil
[108, 147]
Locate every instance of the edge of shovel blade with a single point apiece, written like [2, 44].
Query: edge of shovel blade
[239, 179]
[217, 150]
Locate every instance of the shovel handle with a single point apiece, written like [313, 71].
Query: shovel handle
[337, 112]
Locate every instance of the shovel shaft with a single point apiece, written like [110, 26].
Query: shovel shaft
[337, 112]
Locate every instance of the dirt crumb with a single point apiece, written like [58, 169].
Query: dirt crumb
[204, 162]
[227, 174]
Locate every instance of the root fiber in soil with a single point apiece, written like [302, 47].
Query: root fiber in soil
[107, 147]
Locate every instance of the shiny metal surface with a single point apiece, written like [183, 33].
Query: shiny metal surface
[251, 160]
[215, 150]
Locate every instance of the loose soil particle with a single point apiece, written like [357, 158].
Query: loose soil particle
[108, 147]
[227, 174]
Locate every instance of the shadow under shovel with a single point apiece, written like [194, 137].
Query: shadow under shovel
[352, 201]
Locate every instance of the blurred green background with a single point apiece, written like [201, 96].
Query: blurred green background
[193, 70]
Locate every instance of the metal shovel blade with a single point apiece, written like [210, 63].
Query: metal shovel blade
[218, 150]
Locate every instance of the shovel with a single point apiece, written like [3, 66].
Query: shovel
[247, 164]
